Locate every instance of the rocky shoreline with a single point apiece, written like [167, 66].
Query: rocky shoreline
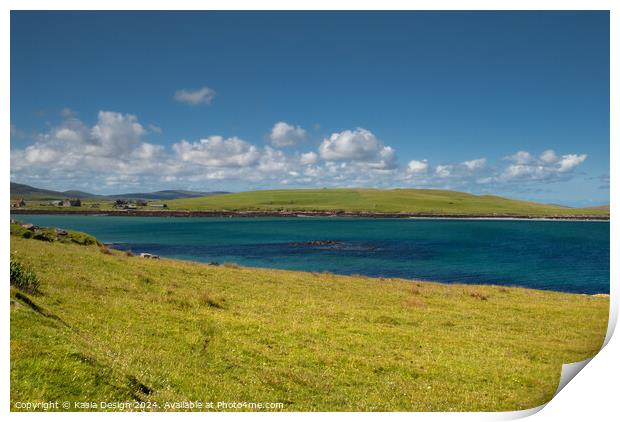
[289, 214]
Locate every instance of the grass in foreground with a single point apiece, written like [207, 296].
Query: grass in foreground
[425, 201]
[110, 327]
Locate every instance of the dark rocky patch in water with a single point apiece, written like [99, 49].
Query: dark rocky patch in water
[330, 243]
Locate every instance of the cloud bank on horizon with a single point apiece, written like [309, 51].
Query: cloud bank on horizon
[115, 152]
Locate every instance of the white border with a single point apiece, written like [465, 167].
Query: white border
[591, 395]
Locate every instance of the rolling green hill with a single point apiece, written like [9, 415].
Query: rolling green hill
[423, 201]
[106, 326]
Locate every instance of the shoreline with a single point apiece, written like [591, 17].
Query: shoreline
[378, 279]
[302, 214]
[113, 245]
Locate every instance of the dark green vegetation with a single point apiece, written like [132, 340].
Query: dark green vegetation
[108, 326]
[30, 231]
[23, 277]
[412, 201]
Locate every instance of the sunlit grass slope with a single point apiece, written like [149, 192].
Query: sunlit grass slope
[378, 201]
[110, 327]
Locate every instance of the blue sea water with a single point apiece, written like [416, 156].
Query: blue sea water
[569, 256]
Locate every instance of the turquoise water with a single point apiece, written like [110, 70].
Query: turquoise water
[566, 256]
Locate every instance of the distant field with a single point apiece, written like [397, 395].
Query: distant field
[406, 201]
[110, 327]
[376, 201]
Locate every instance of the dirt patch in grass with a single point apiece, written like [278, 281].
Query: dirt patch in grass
[479, 296]
[206, 298]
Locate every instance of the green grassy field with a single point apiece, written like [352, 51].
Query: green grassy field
[106, 326]
[409, 201]
[377, 201]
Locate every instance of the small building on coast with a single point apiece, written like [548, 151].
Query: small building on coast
[19, 203]
[130, 203]
[71, 203]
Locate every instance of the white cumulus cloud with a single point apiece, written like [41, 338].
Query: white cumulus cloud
[309, 158]
[217, 151]
[548, 166]
[443, 170]
[115, 133]
[204, 95]
[548, 156]
[274, 161]
[475, 165]
[113, 152]
[359, 145]
[285, 135]
[416, 166]
[521, 157]
[113, 148]
[570, 161]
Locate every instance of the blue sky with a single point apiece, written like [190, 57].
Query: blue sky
[513, 103]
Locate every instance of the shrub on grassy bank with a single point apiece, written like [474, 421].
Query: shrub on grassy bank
[48, 234]
[23, 277]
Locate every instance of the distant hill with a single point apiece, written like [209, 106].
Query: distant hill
[30, 192]
[80, 194]
[409, 201]
[165, 194]
[19, 190]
